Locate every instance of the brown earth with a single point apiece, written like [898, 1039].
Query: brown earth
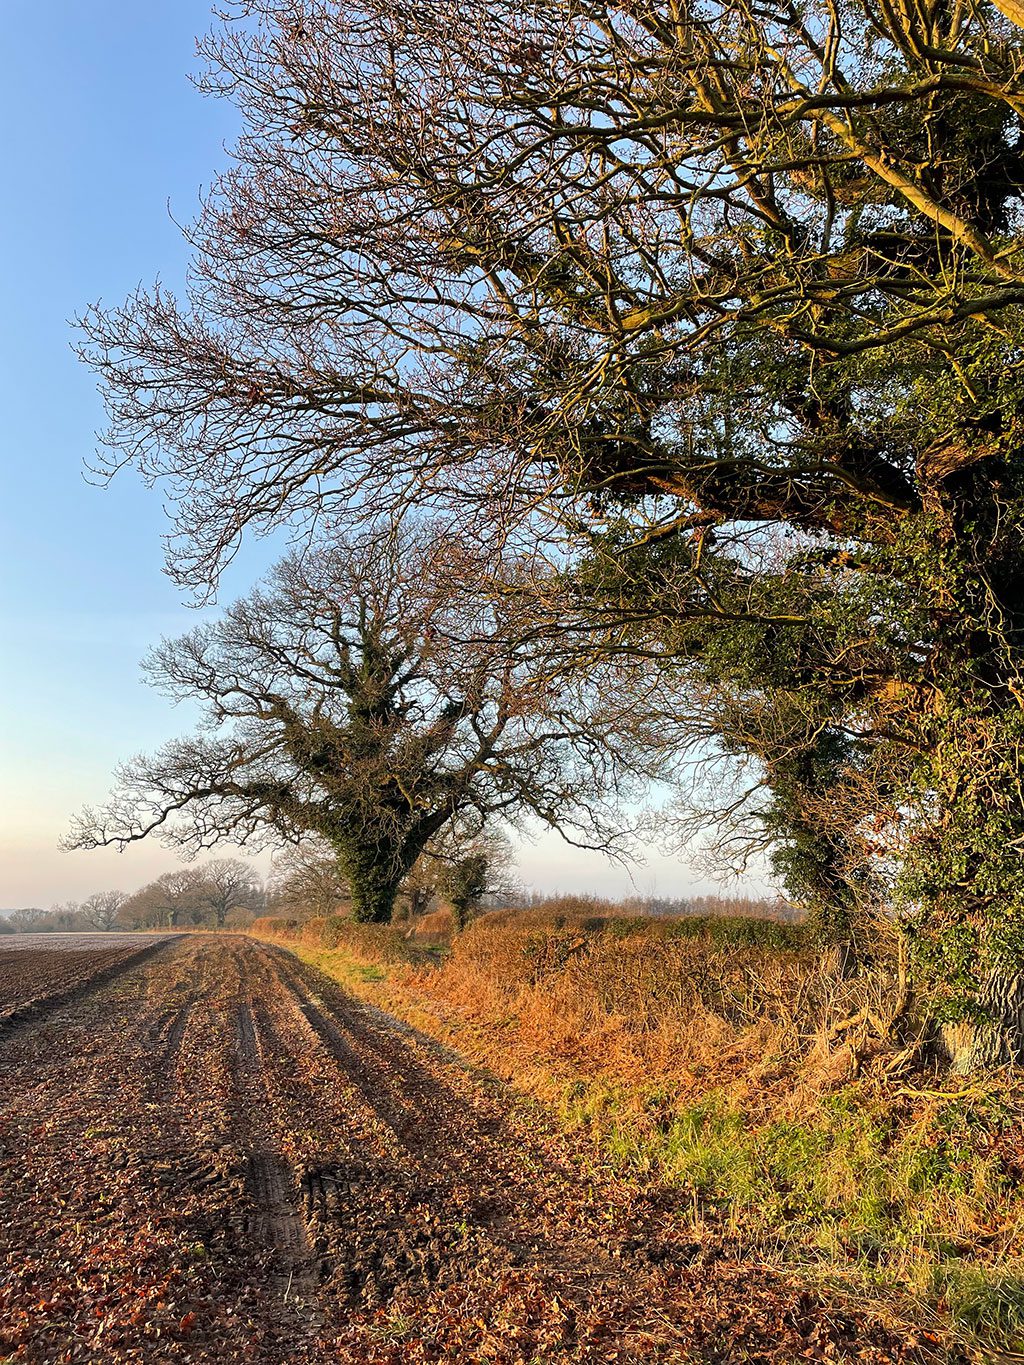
[80, 940]
[219, 1156]
[34, 978]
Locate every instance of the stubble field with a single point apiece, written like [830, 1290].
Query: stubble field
[208, 1151]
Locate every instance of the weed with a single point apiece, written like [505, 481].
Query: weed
[369, 973]
[393, 1330]
[986, 1301]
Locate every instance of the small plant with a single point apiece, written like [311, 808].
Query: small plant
[392, 1329]
[986, 1301]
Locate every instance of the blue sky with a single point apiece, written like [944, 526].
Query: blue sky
[105, 138]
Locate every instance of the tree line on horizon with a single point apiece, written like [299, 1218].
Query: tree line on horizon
[305, 883]
[219, 893]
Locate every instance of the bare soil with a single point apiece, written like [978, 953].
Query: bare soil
[77, 941]
[34, 976]
[219, 1156]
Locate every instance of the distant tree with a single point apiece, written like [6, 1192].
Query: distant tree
[307, 880]
[140, 910]
[433, 875]
[470, 865]
[102, 909]
[420, 886]
[450, 866]
[464, 885]
[171, 901]
[227, 884]
[65, 917]
[180, 895]
[369, 694]
[26, 919]
[462, 864]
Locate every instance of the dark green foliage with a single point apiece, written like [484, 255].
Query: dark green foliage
[464, 882]
[740, 931]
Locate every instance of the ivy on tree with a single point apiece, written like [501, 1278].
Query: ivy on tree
[369, 694]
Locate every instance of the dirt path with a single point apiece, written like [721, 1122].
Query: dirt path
[220, 1156]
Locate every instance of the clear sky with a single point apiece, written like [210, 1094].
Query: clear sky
[104, 139]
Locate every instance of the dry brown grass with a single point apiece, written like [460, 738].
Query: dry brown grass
[736, 1061]
[639, 1003]
[367, 944]
[437, 927]
[681, 1006]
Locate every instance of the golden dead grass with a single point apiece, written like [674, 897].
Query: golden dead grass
[737, 1062]
[684, 1004]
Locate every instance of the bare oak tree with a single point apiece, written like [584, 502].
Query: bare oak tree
[461, 864]
[734, 289]
[306, 880]
[367, 695]
[172, 900]
[227, 884]
[471, 864]
[101, 909]
[500, 251]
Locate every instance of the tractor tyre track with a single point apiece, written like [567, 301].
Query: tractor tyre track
[451, 1140]
[271, 1185]
[219, 1156]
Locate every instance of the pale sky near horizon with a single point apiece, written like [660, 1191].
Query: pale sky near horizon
[105, 139]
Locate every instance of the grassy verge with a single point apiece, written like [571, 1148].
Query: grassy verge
[726, 1067]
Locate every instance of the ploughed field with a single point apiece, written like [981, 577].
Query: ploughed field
[209, 1152]
[36, 973]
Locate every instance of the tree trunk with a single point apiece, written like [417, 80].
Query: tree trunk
[418, 901]
[373, 901]
[375, 872]
[374, 876]
[996, 1038]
